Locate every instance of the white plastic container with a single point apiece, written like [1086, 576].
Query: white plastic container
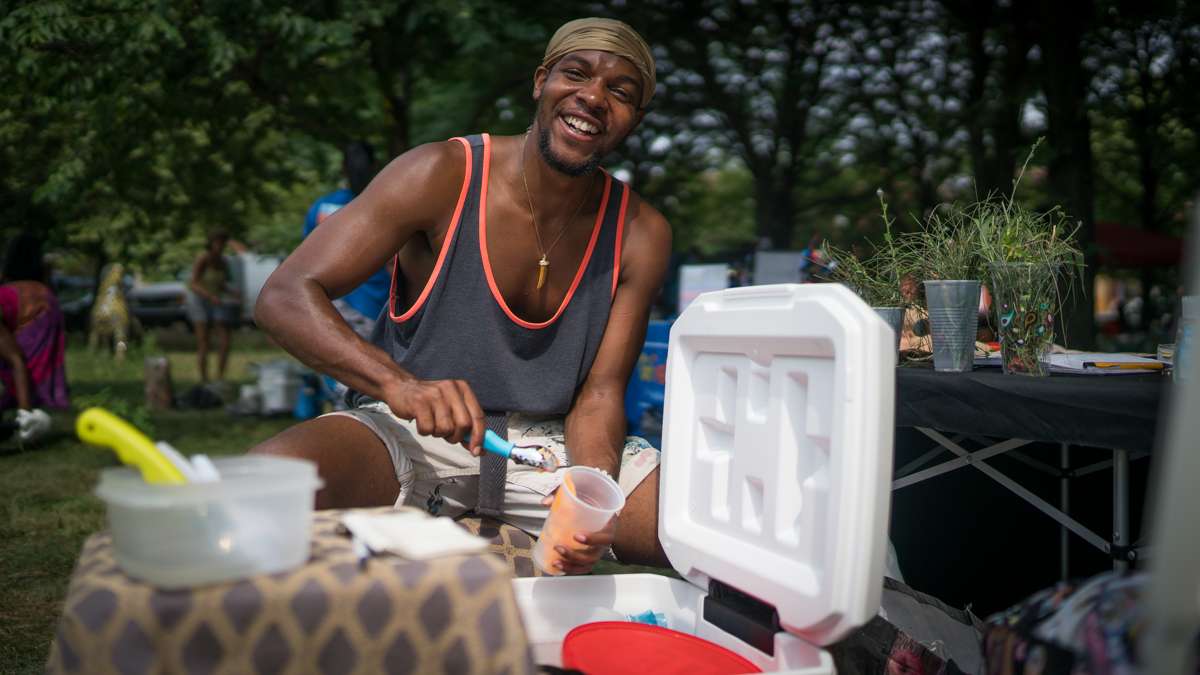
[255, 520]
[774, 496]
[279, 384]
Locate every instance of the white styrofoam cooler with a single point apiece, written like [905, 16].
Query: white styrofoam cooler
[774, 495]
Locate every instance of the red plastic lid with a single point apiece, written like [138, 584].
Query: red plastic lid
[619, 647]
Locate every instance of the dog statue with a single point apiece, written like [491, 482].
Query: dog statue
[111, 322]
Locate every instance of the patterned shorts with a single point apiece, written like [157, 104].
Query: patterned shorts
[443, 478]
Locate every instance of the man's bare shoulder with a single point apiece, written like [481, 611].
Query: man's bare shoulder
[419, 188]
[430, 170]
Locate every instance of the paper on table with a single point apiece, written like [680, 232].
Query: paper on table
[1088, 363]
[1101, 363]
[413, 535]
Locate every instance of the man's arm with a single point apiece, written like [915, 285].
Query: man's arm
[595, 426]
[413, 195]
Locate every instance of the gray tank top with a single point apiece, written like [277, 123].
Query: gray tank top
[461, 328]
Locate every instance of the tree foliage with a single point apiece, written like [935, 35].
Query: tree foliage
[128, 128]
[132, 126]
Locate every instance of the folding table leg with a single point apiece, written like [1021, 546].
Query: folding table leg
[976, 460]
[1120, 507]
[1064, 504]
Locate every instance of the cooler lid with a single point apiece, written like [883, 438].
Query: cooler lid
[777, 451]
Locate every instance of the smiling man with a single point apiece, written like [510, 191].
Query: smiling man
[522, 282]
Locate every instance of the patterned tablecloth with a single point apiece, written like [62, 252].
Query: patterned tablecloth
[454, 614]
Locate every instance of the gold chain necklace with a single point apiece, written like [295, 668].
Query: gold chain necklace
[544, 261]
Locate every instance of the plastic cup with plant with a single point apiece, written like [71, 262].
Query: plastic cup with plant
[1034, 262]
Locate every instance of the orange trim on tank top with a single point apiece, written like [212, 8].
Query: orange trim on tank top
[487, 264]
[620, 234]
[437, 268]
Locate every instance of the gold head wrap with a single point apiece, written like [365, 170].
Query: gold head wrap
[606, 35]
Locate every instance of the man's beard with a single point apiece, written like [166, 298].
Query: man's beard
[561, 165]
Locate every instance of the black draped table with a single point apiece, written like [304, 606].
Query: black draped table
[1002, 413]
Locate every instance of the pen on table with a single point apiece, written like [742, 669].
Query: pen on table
[1119, 365]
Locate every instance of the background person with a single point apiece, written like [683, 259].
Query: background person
[361, 306]
[32, 340]
[212, 302]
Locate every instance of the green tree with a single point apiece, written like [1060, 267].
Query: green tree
[755, 79]
[1145, 126]
[155, 122]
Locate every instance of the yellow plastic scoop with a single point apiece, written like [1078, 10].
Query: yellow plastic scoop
[97, 426]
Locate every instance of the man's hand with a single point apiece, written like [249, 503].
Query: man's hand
[32, 425]
[442, 408]
[584, 550]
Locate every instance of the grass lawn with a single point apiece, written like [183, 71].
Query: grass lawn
[47, 507]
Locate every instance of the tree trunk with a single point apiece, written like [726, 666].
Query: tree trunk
[399, 139]
[773, 210]
[995, 116]
[1145, 121]
[976, 100]
[393, 76]
[1071, 181]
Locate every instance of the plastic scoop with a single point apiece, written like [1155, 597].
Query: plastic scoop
[97, 426]
[530, 455]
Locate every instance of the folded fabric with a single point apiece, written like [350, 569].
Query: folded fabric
[1090, 626]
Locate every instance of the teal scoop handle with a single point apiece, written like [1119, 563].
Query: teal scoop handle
[496, 445]
[530, 455]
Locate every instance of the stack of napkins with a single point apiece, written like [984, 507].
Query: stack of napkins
[412, 534]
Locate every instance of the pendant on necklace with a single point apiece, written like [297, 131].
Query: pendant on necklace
[543, 268]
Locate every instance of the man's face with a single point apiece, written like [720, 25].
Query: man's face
[587, 103]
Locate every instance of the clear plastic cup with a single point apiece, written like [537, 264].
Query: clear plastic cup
[585, 503]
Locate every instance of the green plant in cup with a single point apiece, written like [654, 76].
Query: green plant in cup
[877, 277]
[944, 248]
[1033, 262]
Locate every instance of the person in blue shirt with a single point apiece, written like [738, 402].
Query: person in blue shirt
[361, 306]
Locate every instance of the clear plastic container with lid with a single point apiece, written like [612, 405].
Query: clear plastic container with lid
[255, 520]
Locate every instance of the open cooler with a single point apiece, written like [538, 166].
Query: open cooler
[777, 457]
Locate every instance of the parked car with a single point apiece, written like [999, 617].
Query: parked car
[162, 303]
[250, 272]
[75, 296]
